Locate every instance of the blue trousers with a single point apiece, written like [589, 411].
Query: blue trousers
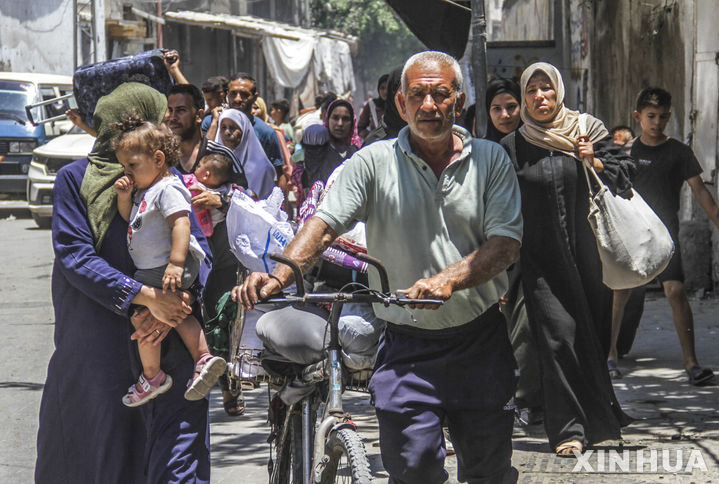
[465, 377]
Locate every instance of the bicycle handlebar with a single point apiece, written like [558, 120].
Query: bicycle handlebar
[330, 297]
[281, 259]
[383, 278]
[301, 297]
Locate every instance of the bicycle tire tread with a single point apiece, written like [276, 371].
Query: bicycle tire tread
[347, 441]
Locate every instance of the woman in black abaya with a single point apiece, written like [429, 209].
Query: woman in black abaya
[569, 307]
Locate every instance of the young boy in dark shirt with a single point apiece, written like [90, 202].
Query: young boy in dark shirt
[663, 164]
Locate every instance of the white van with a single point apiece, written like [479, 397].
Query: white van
[46, 161]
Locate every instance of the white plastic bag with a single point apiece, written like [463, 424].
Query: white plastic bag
[256, 229]
[633, 243]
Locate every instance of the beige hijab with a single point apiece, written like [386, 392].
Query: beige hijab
[561, 131]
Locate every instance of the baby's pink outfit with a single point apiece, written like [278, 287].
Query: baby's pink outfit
[203, 216]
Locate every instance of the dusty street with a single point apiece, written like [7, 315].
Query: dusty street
[674, 420]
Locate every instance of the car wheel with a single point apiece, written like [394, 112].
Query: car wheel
[42, 222]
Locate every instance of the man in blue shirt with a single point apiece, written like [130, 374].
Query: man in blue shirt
[242, 94]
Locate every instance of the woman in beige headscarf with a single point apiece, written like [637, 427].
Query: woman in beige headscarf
[568, 306]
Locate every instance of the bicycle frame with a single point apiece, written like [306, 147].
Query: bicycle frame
[314, 454]
[334, 415]
[315, 460]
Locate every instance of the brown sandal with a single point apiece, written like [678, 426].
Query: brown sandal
[233, 407]
[248, 385]
[566, 449]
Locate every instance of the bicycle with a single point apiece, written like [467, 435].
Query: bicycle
[331, 451]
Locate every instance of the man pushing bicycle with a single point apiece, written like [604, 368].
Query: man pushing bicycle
[442, 210]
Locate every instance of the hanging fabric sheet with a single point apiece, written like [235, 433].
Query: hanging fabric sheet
[288, 60]
[333, 66]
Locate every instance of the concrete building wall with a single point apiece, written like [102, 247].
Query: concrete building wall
[36, 36]
[637, 44]
[673, 45]
[706, 105]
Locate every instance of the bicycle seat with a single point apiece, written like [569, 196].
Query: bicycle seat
[281, 369]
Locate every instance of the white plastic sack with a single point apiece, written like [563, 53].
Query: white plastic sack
[256, 229]
[633, 243]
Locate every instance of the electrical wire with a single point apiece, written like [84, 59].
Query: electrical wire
[457, 5]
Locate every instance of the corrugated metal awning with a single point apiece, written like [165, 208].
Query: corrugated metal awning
[254, 27]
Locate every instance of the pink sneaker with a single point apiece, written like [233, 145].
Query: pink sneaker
[135, 397]
[207, 371]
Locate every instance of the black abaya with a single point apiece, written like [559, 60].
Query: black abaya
[569, 307]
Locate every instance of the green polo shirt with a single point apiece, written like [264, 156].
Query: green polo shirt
[418, 225]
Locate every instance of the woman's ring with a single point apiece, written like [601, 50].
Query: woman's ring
[158, 332]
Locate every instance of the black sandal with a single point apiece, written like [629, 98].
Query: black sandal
[699, 376]
[233, 407]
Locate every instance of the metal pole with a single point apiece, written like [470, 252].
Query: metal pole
[160, 40]
[306, 442]
[94, 30]
[479, 64]
[75, 27]
[98, 31]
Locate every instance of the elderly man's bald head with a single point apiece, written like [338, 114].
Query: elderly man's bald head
[433, 58]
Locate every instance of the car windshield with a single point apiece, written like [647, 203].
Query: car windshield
[14, 96]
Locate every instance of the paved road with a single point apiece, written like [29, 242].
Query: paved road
[672, 416]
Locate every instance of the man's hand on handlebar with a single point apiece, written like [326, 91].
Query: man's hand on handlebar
[431, 288]
[257, 286]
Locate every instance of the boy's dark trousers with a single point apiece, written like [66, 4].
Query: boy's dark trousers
[466, 376]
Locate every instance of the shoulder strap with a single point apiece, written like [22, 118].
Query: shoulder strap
[582, 121]
[589, 168]
[585, 164]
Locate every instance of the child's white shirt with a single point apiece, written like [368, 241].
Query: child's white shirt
[149, 235]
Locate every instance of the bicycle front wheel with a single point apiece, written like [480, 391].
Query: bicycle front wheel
[347, 459]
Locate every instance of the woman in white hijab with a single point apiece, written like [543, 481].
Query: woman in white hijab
[569, 308]
[236, 133]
